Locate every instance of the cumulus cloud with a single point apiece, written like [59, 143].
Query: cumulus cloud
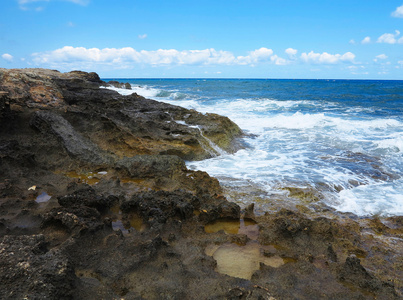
[123, 56]
[326, 58]
[120, 58]
[7, 57]
[68, 57]
[390, 38]
[279, 61]
[381, 56]
[291, 52]
[366, 40]
[398, 13]
[142, 36]
[255, 56]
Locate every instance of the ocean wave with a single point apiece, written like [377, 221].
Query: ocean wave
[304, 142]
[151, 92]
[379, 198]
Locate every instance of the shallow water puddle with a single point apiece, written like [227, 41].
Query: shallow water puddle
[132, 222]
[241, 261]
[247, 227]
[44, 197]
[90, 178]
[135, 222]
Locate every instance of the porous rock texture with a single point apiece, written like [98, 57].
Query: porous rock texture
[126, 217]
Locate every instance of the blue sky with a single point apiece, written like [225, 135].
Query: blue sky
[348, 39]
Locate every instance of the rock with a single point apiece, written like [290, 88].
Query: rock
[43, 88]
[143, 166]
[119, 85]
[354, 273]
[249, 211]
[75, 144]
[139, 230]
[161, 205]
[87, 197]
[73, 220]
[29, 270]
[4, 104]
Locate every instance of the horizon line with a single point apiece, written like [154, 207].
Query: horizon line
[245, 78]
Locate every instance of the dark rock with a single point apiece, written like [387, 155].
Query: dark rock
[331, 254]
[354, 273]
[162, 205]
[120, 85]
[75, 144]
[87, 197]
[29, 270]
[249, 211]
[55, 128]
[143, 166]
[4, 104]
[74, 220]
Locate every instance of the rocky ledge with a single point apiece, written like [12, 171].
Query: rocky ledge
[96, 202]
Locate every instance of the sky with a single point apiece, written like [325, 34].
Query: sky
[313, 39]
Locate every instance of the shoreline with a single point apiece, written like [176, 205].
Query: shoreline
[127, 219]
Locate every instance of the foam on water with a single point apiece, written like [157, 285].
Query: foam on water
[353, 148]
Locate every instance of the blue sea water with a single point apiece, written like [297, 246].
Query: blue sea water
[343, 138]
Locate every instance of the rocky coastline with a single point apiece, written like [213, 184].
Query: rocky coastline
[96, 202]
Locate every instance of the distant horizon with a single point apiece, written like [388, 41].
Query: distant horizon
[236, 78]
[279, 39]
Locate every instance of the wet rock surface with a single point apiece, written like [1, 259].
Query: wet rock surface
[123, 218]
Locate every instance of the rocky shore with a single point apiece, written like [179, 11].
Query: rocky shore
[96, 202]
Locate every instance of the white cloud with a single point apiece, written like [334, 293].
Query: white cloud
[381, 56]
[7, 57]
[352, 42]
[357, 70]
[390, 38]
[279, 61]
[142, 36]
[326, 58]
[68, 57]
[398, 13]
[122, 56]
[366, 40]
[291, 52]
[255, 56]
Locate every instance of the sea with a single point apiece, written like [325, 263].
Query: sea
[342, 139]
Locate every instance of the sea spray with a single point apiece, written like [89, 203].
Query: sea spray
[213, 149]
[343, 138]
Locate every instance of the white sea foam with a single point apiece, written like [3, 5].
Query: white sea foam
[305, 143]
[147, 92]
[385, 198]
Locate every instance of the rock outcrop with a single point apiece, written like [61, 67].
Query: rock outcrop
[96, 202]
